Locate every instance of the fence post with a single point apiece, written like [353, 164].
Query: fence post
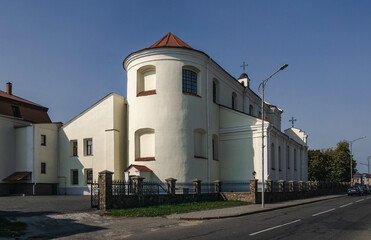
[301, 186]
[218, 186]
[196, 186]
[254, 190]
[138, 185]
[170, 185]
[269, 185]
[291, 186]
[309, 186]
[281, 185]
[105, 190]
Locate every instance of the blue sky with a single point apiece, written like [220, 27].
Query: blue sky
[66, 55]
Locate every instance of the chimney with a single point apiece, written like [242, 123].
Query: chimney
[9, 88]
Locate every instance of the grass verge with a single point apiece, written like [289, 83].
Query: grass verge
[10, 229]
[161, 210]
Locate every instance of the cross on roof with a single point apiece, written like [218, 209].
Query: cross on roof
[243, 66]
[292, 120]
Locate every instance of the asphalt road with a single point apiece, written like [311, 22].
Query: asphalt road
[342, 218]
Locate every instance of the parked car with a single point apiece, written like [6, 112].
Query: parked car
[356, 189]
[365, 188]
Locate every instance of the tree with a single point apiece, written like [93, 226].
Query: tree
[330, 165]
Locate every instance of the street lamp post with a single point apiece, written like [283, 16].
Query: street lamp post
[262, 86]
[368, 164]
[351, 157]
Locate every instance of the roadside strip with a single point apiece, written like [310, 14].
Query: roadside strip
[278, 226]
[360, 200]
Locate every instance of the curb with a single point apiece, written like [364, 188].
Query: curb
[257, 211]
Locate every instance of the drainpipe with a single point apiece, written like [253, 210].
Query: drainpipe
[208, 121]
[33, 161]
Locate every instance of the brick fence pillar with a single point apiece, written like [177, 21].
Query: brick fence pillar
[281, 185]
[309, 186]
[105, 190]
[291, 186]
[269, 185]
[196, 186]
[301, 186]
[137, 185]
[254, 190]
[170, 186]
[218, 186]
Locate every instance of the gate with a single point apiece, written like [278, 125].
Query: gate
[94, 197]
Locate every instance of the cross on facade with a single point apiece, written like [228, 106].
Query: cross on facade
[292, 120]
[243, 66]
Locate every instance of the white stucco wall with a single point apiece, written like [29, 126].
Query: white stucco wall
[104, 123]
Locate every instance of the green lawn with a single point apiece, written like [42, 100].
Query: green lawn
[162, 210]
[10, 229]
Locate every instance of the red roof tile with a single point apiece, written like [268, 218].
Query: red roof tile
[140, 168]
[28, 110]
[17, 176]
[170, 40]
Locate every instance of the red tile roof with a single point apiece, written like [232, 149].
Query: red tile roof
[29, 111]
[170, 40]
[17, 176]
[140, 168]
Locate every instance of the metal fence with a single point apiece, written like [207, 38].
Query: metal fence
[94, 196]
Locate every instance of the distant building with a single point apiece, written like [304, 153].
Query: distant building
[184, 117]
[28, 147]
[362, 178]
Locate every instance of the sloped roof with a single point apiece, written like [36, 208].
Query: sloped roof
[17, 176]
[141, 168]
[170, 40]
[28, 111]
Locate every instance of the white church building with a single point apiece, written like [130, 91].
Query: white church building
[184, 117]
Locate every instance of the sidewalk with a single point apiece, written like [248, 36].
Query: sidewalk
[247, 209]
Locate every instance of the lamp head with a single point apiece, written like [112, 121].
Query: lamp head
[283, 67]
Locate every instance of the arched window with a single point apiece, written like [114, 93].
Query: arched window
[279, 158]
[295, 163]
[145, 144]
[272, 156]
[234, 100]
[200, 143]
[215, 91]
[288, 157]
[215, 147]
[190, 80]
[251, 110]
[146, 80]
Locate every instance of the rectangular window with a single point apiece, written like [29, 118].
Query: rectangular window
[214, 92]
[189, 81]
[74, 177]
[88, 173]
[74, 148]
[16, 112]
[43, 140]
[43, 167]
[88, 147]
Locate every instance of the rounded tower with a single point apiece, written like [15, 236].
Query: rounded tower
[167, 110]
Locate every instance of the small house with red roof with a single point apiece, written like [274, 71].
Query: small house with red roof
[28, 147]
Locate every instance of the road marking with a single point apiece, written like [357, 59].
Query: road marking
[346, 205]
[368, 197]
[360, 200]
[275, 227]
[332, 209]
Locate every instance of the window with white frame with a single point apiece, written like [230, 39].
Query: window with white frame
[190, 81]
[74, 177]
[215, 91]
[215, 147]
[146, 80]
[88, 145]
[273, 155]
[145, 144]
